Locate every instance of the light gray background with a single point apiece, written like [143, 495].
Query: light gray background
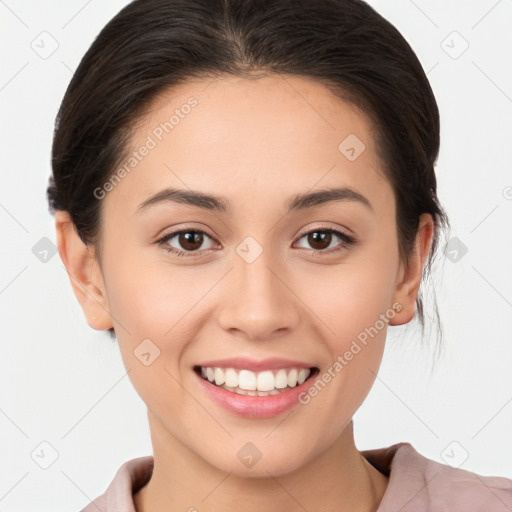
[63, 384]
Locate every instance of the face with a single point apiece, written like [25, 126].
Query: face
[263, 276]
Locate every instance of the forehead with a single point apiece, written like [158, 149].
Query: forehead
[277, 108]
[271, 135]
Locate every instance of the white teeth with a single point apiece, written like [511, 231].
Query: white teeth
[251, 393]
[231, 378]
[303, 375]
[292, 378]
[281, 380]
[247, 382]
[265, 381]
[219, 376]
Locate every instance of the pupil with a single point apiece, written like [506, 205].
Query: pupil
[186, 240]
[317, 236]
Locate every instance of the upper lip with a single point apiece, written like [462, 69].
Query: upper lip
[245, 363]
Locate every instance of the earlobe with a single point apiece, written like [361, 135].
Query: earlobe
[84, 273]
[406, 291]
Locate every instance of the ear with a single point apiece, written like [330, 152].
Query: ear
[84, 273]
[409, 280]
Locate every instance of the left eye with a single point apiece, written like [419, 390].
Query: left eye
[321, 239]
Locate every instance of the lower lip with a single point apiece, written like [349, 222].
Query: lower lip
[255, 406]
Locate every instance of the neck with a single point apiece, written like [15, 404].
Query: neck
[339, 479]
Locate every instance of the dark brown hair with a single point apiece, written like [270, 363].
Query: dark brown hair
[152, 45]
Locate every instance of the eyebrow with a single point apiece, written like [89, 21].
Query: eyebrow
[220, 204]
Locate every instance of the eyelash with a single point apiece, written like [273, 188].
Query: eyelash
[347, 241]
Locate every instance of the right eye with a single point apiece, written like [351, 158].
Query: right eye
[190, 241]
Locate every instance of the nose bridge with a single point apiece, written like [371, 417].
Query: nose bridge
[252, 268]
[259, 302]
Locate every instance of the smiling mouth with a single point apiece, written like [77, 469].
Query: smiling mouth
[263, 383]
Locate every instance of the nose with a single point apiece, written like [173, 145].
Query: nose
[259, 302]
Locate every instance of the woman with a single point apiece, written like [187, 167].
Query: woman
[245, 197]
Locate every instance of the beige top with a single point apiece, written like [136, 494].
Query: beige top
[416, 484]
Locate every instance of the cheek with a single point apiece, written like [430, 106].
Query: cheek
[151, 304]
[149, 299]
[354, 304]
[355, 313]
[349, 300]
[145, 304]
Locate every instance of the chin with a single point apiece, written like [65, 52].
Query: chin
[257, 460]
